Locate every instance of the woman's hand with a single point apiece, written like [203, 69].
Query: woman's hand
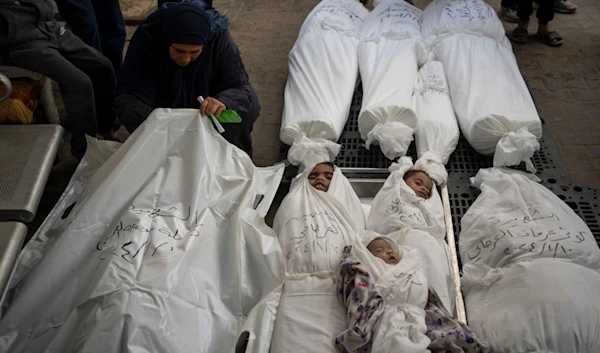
[211, 105]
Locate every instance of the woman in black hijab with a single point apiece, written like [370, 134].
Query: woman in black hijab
[182, 51]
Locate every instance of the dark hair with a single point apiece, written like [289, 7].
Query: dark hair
[413, 172]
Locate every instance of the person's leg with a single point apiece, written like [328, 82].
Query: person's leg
[76, 87]
[545, 14]
[508, 11]
[81, 18]
[524, 10]
[100, 72]
[112, 30]
[564, 6]
[241, 134]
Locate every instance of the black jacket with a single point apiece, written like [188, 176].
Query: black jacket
[150, 79]
[22, 21]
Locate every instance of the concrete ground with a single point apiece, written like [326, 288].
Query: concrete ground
[565, 81]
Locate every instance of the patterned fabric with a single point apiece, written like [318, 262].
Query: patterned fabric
[19, 107]
[357, 291]
[447, 335]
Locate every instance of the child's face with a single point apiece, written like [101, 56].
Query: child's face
[381, 249]
[320, 176]
[421, 184]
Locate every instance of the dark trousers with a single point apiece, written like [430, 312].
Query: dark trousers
[162, 2]
[511, 4]
[545, 12]
[86, 79]
[99, 23]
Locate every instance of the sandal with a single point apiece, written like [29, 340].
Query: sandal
[552, 39]
[520, 35]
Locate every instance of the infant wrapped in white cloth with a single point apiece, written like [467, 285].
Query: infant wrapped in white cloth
[320, 216]
[390, 307]
[408, 209]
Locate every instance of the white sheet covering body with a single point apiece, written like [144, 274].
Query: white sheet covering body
[163, 251]
[388, 53]
[397, 212]
[323, 69]
[540, 305]
[515, 218]
[492, 103]
[437, 133]
[313, 228]
[401, 327]
[442, 17]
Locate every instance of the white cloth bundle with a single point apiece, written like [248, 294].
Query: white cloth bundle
[515, 218]
[165, 250]
[437, 133]
[436, 261]
[323, 69]
[542, 305]
[396, 206]
[323, 222]
[443, 17]
[390, 49]
[313, 228]
[397, 212]
[492, 103]
[306, 152]
[494, 108]
[404, 288]
[309, 316]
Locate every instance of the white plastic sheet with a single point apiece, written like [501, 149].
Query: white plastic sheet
[542, 305]
[166, 250]
[313, 228]
[515, 219]
[390, 49]
[97, 154]
[396, 211]
[404, 287]
[437, 133]
[323, 69]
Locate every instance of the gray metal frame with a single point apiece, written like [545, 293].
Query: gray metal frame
[27, 153]
[12, 237]
[8, 84]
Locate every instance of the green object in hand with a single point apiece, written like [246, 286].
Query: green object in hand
[229, 117]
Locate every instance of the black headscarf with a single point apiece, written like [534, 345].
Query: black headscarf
[149, 72]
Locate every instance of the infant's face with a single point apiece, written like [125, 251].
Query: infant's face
[421, 184]
[381, 249]
[320, 176]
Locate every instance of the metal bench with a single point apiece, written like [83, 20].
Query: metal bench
[12, 236]
[27, 153]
